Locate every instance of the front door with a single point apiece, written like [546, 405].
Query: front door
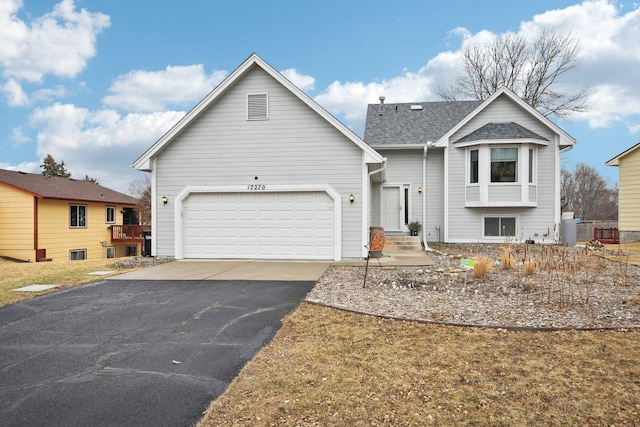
[392, 208]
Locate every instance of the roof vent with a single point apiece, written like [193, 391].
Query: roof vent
[416, 107]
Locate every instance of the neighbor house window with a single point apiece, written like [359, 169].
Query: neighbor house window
[111, 214]
[78, 254]
[110, 251]
[500, 226]
[473, 166]
[257, 106]
[504, 164]
[78, 216]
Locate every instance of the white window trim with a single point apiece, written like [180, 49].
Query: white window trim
[106, 252]
[533, 171]
[106, 215]
[85, 216]
[518, 164]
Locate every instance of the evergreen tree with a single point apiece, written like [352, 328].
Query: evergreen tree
[52, 168]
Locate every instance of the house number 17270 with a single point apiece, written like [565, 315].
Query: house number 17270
[256, 187]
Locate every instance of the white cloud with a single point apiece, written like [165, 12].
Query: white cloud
[302, 81]
[101, 144]
[611, 57]
[350, 99]
[14, 94]
[19, 137]
[58, 43]
[608, 34]
[29, 167]
[141, 90]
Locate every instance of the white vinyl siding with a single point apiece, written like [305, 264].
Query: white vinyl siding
[294, 147]
[405, 167]
[465, 224]
[404, 170]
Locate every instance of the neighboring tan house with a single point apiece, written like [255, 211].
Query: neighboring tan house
[469, 171]
[628, 163]
[53, 218]
[259, 170]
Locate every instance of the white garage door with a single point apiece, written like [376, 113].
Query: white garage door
[285, 225]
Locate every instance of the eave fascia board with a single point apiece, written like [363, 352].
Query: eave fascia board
[616, 160]
[399, 146]
[569, 140]
[499, 141]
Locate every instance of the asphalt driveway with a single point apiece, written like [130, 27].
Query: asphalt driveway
[133, 352]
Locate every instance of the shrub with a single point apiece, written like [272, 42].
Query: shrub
[530, 267]
[482, 266]
[508, 258]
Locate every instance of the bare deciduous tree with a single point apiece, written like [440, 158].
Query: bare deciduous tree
[535, 71]
[141, 189]
[587, 194]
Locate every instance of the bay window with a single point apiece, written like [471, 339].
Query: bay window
[504, 164]
[473, 167]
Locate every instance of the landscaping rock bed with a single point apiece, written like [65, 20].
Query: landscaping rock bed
[139, 262]
[565, 288]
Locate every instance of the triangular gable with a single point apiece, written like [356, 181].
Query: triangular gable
[616, 160]
[143, 162]
[566, 140]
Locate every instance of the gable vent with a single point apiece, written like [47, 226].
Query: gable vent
[257, 106]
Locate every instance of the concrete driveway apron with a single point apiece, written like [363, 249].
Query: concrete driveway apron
[134, 352]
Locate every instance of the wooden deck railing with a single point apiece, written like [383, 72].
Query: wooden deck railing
[128, 233]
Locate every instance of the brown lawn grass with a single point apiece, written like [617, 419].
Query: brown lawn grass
[625, 252]
[328, 367]
[64, 273]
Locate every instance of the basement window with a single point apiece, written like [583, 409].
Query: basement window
[504, 226]
[77, 254]
[257, 106]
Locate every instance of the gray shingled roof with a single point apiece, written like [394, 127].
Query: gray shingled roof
[509, 130]
[396, 124]
[63, 188]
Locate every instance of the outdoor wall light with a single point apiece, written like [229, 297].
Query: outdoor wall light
[164, 200]
[420, 190]
[351, 198]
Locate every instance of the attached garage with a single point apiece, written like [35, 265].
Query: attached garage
[259, 225]
[259, 170]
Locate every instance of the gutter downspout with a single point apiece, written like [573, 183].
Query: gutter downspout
[424, 196]
[558, 190]
[382, 168]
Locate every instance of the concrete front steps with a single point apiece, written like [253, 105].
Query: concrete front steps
[401, 243]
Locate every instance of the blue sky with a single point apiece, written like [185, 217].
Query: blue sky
[95, 83]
